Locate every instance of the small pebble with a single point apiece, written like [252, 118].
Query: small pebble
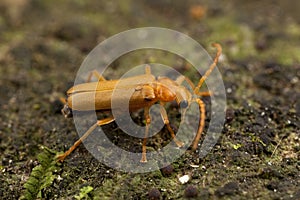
[191, 191]
[184, 179]
[168, 170]
[154, 194]
[228, 189]
[229, 114]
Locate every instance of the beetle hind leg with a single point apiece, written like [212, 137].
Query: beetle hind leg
[96, 74]
[101, 122]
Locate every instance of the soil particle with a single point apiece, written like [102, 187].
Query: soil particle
[229, 115]
[191, 191]
[154, 194]
[228, 189]
[57, 106]
[81, 33]
[273, 185]
[204, 194]
[168, 170]
[269, 173]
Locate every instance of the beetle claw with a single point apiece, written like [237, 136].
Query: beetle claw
[60, 157]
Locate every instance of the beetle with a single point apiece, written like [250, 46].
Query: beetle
[146, 91]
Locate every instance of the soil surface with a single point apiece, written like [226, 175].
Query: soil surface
[42, 45]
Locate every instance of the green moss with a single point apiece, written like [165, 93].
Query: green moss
[42, 176]
[284, 51]
[239, 37]
[236, 146]
[124, 186]
[239, 41]
[84, 193]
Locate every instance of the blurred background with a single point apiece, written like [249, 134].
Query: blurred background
[43, 43]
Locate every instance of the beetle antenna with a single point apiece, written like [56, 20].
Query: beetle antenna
[212, 66]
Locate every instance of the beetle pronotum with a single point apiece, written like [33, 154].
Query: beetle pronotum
[152, 90]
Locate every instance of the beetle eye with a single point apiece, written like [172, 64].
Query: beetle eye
[184, 104]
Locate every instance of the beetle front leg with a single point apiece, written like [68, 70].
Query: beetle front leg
[164, 115]
[101, 122]
[201, 124]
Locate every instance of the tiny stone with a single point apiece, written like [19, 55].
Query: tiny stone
[229, 114]
[168, 170]
[191, 191]
[154, 194]
[184, 179]
[228, 189]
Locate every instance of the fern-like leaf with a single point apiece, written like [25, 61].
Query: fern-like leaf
[41, 176]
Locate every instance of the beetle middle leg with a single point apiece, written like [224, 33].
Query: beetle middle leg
[101, 122]
[166, 122]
